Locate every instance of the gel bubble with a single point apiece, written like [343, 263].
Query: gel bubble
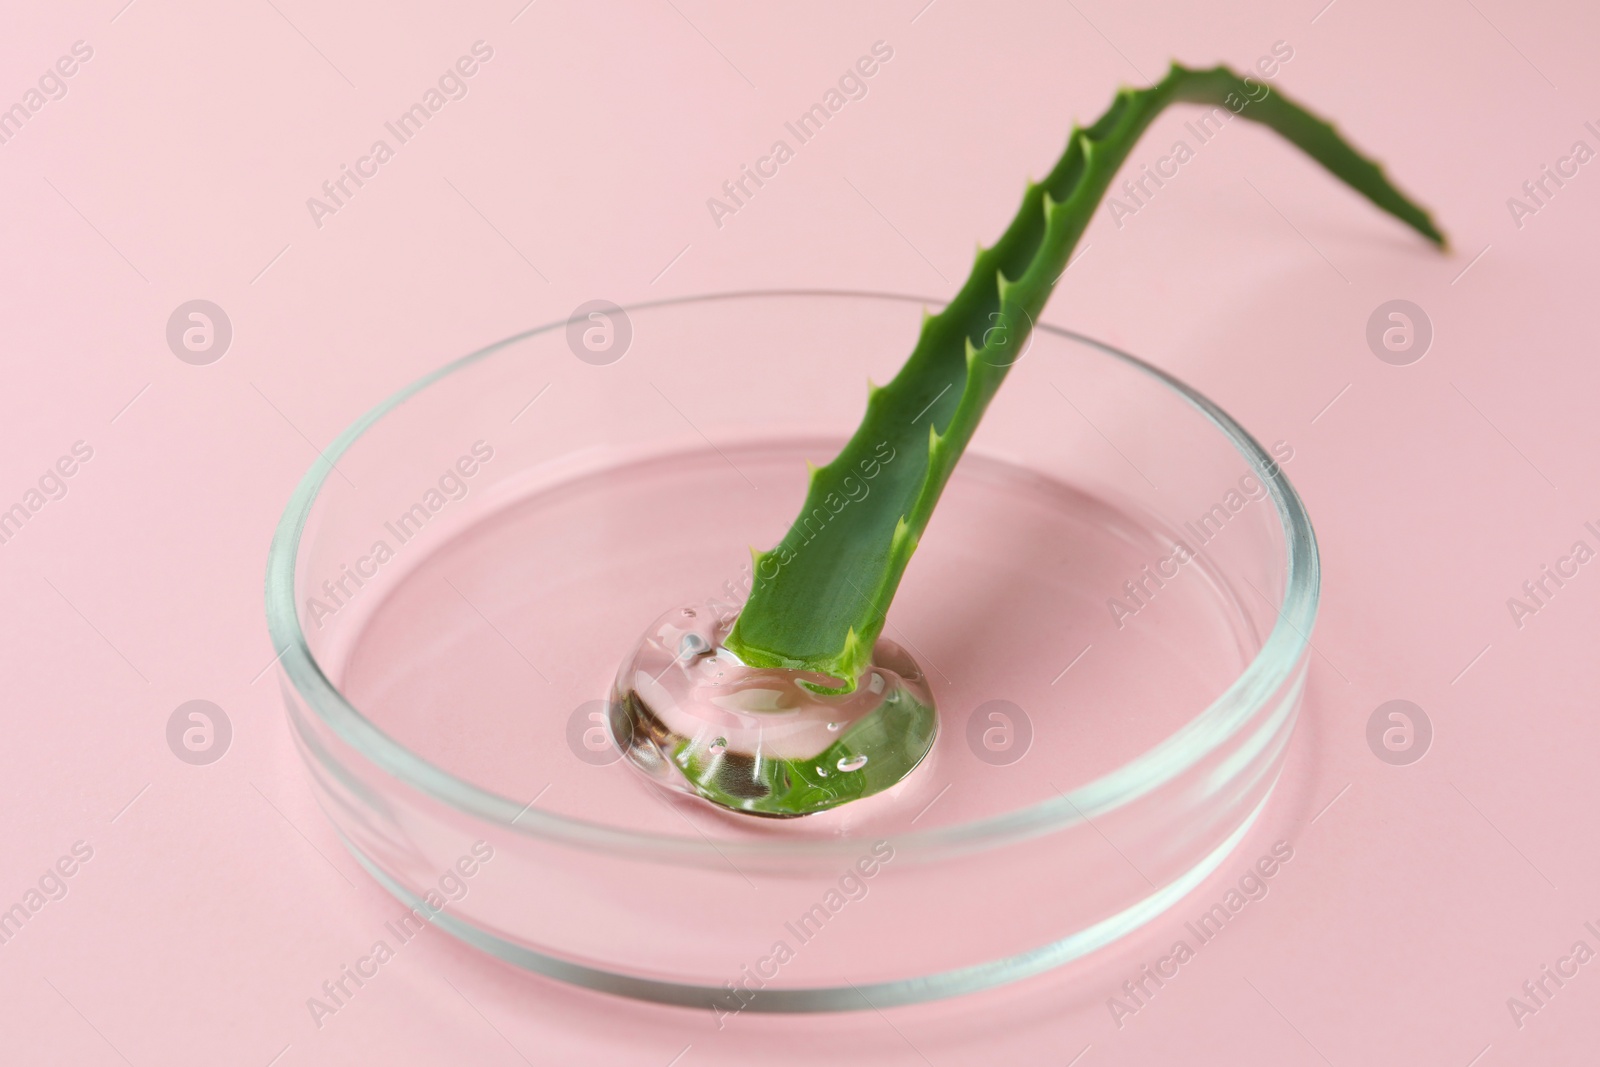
[761, 740]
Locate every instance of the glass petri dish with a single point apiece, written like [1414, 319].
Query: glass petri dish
[1112, 607]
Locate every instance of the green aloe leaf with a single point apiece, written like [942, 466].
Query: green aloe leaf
[820, 596]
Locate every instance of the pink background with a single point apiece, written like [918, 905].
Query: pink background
[177, 167]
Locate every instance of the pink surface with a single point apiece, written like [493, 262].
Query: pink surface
[577, 166]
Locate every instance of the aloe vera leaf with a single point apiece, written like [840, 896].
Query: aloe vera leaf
[819, 597]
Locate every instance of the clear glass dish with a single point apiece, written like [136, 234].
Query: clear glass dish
[1112, 607]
